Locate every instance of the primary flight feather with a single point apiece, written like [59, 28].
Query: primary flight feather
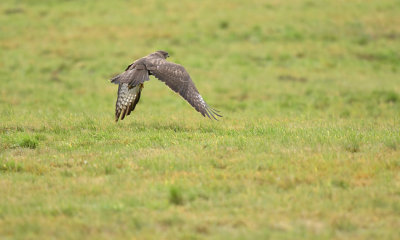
[175, 76]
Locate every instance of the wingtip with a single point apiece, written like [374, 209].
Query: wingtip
[212, 112]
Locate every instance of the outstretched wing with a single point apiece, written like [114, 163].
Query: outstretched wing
[177, 78]
[126, 100]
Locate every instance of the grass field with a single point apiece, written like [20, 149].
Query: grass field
[308, 148]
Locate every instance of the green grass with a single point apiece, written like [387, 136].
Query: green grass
[308, 148]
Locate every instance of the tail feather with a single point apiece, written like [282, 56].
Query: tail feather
[134, 77]
[116, 79]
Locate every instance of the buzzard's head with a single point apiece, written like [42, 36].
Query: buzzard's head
[162, 54]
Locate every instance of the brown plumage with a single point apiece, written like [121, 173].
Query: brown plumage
[173, 75]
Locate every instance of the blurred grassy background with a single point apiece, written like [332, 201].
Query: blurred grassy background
[309, 146]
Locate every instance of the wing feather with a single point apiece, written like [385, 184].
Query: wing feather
[126, 100]
[137, 98]
[178, 79]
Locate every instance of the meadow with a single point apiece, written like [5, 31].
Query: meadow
[308, 146]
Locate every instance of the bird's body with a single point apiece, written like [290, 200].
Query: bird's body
[173, 75]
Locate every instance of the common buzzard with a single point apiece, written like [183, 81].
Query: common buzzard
[130, 84]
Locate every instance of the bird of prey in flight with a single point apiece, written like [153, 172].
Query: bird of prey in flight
[175, 76]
